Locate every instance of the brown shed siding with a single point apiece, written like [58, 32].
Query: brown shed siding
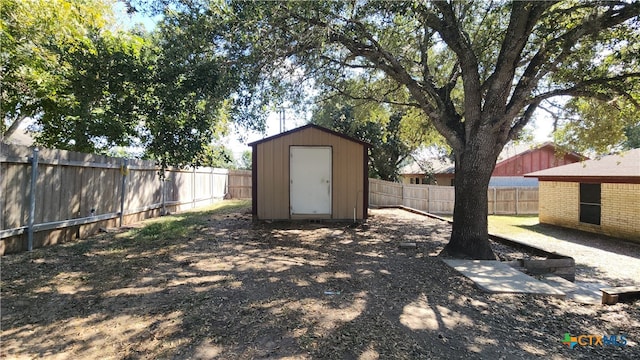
[271, 180]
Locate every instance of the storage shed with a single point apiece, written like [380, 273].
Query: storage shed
[601, 195]
[310, 173]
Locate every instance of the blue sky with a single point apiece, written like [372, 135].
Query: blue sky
[127, 21]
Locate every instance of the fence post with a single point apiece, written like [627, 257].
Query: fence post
[517, 200]
[495, 201]
[32, 198]
[125, 172]
[163, 181]
[402, 198]
[193, 187]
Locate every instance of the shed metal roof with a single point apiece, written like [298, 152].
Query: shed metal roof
[313, 126]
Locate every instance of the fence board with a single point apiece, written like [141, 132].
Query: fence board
[384, 193]
[442, 199]
[240, 184]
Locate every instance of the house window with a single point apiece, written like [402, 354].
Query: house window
[590, 203]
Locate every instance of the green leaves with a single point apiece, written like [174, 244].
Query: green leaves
[188, 87]
[394, 132]
[468, 69]
[33, 32]
[100, 100]
[603, 127]
[90, 88]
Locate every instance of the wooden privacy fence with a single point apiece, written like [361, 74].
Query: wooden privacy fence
[440, 199]
[52, 196]
[239, 184]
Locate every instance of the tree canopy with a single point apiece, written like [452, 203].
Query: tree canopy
[394, 132]
[603, 127]
[90, 86]
[478, 71]
[34, 33]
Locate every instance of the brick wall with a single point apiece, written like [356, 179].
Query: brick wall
[559, 205]
[620, 210]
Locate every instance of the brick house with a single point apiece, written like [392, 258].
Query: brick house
[443, 173]
[600, 196]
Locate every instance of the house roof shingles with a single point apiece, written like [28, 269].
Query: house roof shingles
[623, 167]
[438, 166]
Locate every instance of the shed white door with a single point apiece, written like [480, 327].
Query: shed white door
[310, 180]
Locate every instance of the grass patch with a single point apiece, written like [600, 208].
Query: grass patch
[171, 229]
[511, 225]
[221, 208]
[181, 225]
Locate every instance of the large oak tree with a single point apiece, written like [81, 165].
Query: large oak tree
[478, 70]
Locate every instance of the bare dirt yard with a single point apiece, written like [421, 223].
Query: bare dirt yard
[213, 284]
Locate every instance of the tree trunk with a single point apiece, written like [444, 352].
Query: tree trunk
[469, 236]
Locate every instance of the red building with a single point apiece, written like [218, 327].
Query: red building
[513, 162]
[517, 161]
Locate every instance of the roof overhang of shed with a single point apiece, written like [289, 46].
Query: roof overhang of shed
[310, 126]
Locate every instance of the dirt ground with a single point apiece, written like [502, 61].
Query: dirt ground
[215, 285]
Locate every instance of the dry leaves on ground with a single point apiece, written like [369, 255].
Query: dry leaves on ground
[215, 285]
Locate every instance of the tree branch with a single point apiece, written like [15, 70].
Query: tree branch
[451, 32]
[374, 99]
[582, 89]
[540, 64]
[524, 16]
[520, 123]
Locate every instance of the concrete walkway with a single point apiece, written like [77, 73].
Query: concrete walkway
[500, 278]
[497, 277]
[580, 292]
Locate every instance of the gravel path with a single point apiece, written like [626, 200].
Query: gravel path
[598, 257]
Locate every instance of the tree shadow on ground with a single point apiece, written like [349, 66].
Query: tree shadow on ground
[598, 241]
[216, 285]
